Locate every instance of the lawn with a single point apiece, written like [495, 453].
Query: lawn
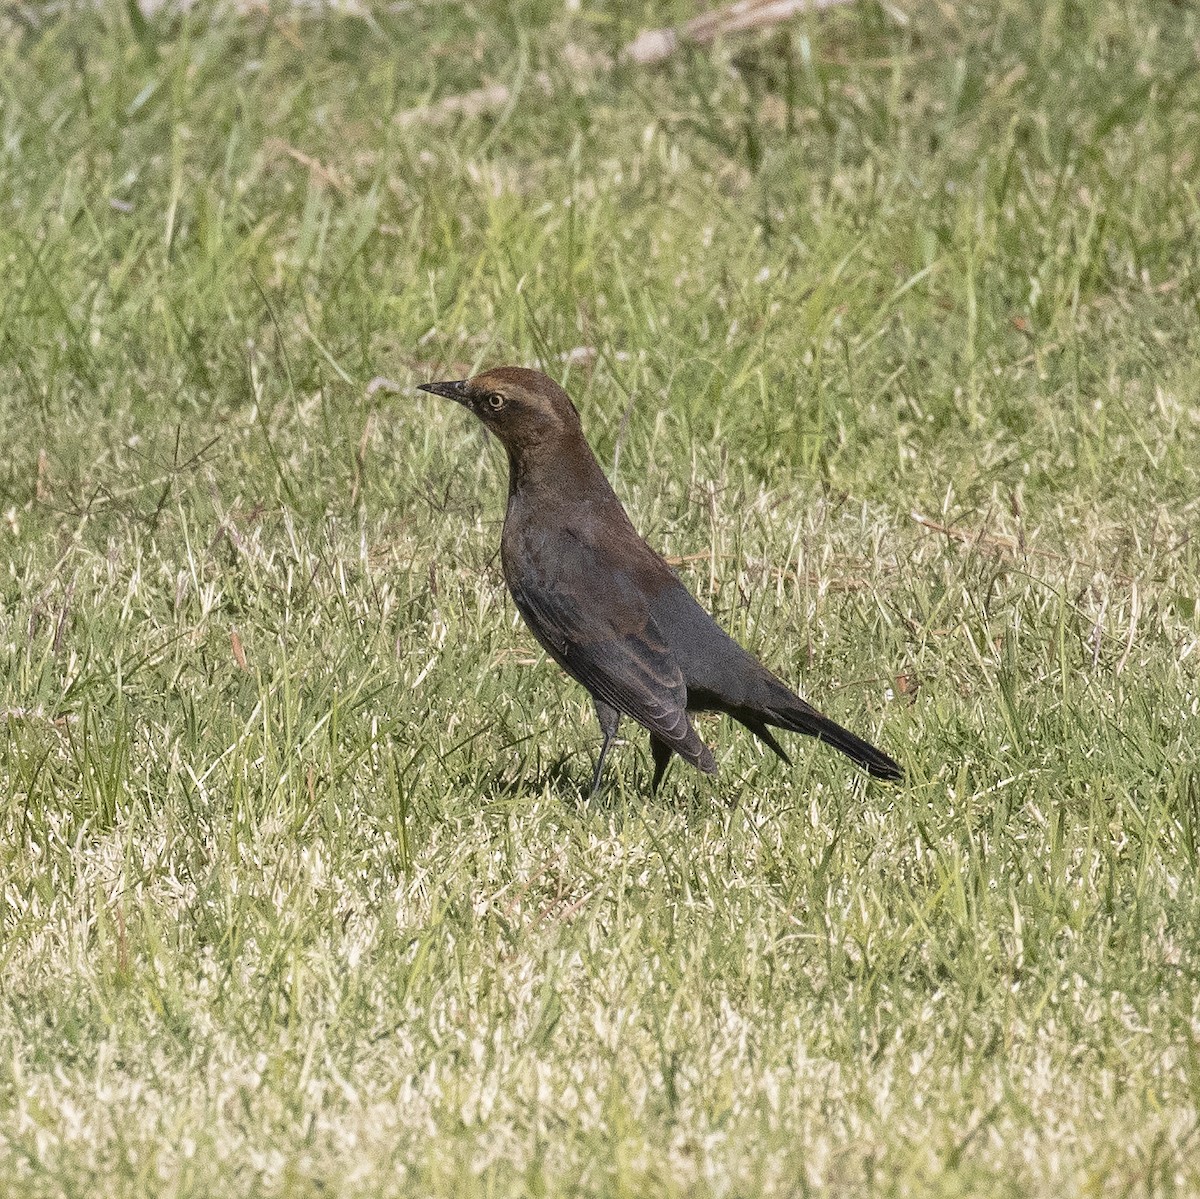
[885, 324]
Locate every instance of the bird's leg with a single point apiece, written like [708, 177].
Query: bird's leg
[661, 753]
[609, 719]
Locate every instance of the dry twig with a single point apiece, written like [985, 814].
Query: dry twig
[649, 47]
[655, 45]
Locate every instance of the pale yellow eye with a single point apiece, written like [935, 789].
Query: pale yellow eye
[495, 401]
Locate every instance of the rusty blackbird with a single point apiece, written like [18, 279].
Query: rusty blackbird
[606, 607]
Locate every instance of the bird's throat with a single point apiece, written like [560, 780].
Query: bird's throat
[562, 470]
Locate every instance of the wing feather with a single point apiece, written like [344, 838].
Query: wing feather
[630, 669]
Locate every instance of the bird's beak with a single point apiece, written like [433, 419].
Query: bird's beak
[453, 390]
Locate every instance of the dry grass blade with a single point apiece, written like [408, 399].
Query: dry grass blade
[1009, 544]
[318, 169]
[469, 104]
[477, 102]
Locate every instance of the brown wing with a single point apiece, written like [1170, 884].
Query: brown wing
[617, 653]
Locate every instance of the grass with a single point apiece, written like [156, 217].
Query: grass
[300, 891]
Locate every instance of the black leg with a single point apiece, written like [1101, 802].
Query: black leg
[609, 719]
[661, 752]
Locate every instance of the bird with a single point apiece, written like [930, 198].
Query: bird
[606, 606]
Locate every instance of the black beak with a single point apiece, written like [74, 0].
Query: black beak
[453, 390]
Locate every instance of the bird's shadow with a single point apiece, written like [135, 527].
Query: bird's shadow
[568, 778]
[560, 777]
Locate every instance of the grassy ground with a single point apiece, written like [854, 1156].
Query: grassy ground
[300, 892]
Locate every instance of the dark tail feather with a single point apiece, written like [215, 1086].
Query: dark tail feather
[760, 730]
[809, 721]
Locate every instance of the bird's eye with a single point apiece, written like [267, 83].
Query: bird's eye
[494, 400]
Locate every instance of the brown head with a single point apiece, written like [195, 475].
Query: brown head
[523, 408]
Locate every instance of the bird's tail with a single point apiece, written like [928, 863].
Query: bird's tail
[799, 717]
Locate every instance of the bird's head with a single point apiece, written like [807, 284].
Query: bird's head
[521, 407]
